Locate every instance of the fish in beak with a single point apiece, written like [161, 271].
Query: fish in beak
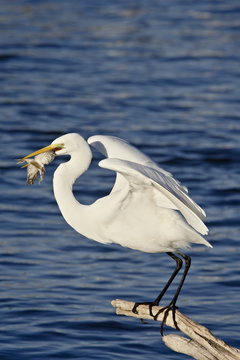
[35, 166]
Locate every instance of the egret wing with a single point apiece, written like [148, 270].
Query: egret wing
[114, 147]
[171, 193]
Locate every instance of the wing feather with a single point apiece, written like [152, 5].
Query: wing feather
[169, 189]
[114, 147]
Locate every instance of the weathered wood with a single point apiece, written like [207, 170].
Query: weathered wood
[201, 344]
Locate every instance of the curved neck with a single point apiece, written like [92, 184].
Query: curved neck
[66, 174]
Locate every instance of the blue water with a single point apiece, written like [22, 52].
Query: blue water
[164, 76]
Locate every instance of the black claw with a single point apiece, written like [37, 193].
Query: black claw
[134, 309]
[167, 309]
[150, 303]
[171, 307]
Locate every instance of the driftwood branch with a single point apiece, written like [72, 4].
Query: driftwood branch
[201, 344]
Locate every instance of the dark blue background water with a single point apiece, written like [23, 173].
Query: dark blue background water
[164, 76]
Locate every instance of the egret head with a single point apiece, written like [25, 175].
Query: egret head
[70, 143]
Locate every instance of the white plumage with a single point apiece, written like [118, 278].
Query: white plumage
[146, 210]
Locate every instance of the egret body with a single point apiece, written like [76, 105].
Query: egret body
[146, 210]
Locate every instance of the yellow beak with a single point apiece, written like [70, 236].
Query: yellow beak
[53, 147]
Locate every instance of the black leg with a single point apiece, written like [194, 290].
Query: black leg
[172, 277]
[172, 305]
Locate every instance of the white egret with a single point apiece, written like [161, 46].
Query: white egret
[146, 210]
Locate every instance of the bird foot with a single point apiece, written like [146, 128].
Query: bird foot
[171, 307]
[150, 303]
[166, 309]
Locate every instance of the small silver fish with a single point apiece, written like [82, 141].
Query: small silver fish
[36, 165]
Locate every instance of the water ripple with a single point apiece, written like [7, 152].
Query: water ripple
[164, 77]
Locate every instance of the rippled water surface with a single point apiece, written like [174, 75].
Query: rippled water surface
[164, 76]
